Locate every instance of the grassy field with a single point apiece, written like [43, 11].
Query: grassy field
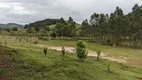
[29, 63]
[134, 55]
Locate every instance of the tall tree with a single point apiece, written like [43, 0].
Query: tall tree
[62, 21]
[116, 25]
[70, 19]
[59, 29]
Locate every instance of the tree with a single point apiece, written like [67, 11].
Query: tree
[36, 28]
[70, 29]
[86, 29]
[62, 21]
[59, 29]
[117, 25]
[135, 28]
[53, 35]
[81, 50]
[42, 32]
[94, 20]
[14, 28]
[66, 30]
[30, 30]
[70, 19]
[8, 29]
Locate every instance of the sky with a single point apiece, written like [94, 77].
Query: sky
[28, 11]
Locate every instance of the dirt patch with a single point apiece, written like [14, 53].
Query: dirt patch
[120, 59]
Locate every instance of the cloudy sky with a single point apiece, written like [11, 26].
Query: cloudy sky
[27, 11]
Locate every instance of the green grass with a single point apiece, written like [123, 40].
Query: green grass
[31, 64]
[52, 27]
[135, 55]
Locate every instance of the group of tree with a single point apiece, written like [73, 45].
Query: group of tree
[9, 29]
[62, 27]
[115, 28]
[40, 26]
[65, 28]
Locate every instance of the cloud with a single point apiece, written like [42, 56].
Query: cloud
[27, 11]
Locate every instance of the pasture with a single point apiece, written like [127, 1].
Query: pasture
[134, 55]
[30, 63]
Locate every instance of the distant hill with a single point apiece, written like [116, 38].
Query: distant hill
[48, 22]
[10, 25]
[43, 23]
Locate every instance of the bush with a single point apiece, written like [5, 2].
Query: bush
[53, 35]
[98, 54]
[81, 50]
[14, 29]
[63, 50]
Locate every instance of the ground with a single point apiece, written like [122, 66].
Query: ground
[133, 56]
[30, 63]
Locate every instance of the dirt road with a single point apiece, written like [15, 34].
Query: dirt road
[119, 59]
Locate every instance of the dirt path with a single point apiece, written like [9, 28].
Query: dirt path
[119, 59]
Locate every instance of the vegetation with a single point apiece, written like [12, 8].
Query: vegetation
[98, 54]
[134, 55]
[116, 28]
[115, 34]
[81, 50]
[29, 63]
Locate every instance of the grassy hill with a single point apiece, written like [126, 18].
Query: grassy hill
[52, 26]
[25, 61]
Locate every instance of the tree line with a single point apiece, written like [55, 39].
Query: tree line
[115, 29]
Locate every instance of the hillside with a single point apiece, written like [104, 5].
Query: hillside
[10, 25]
[48, 23]
[29, 62]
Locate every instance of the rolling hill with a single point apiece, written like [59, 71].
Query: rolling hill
[10, 25]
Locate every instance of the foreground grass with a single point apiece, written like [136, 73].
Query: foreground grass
[30, 64]
[134, 55]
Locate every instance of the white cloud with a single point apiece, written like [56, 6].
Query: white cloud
[18, 8]
[4, 5]
[25, 11]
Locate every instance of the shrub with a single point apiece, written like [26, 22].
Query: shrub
[98, 54]
[63, 50]
[81, 50]
[45, 51]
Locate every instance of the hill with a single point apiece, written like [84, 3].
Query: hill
[48, 23]
[10, 25]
